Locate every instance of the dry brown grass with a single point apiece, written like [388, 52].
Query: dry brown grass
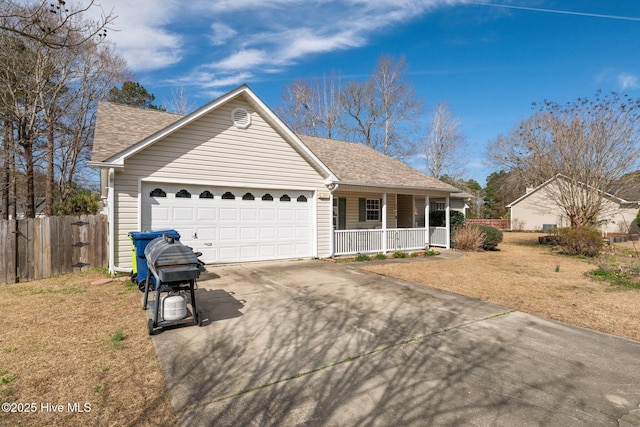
[523, 276]
[56, 348]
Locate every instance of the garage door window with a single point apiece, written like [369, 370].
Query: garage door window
[267, 197]
[285, 198]
[158, 192]
[302, 199]
[206, 194]
[248, 196]
[228, 196]
[183, 194]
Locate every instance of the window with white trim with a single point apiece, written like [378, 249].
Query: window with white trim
[373, 209]
[438, 206]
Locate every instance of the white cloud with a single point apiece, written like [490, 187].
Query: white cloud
[234, 39]
[628, 81]
[221, 34]
[140, 32]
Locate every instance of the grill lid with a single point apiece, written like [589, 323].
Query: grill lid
[166, 251]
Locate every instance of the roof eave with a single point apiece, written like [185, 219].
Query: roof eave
[105, 164]
[399, 187]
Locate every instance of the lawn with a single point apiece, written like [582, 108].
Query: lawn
[532, 278]
[67, 342]
[68, 346]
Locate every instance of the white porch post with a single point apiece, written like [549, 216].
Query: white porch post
[448, 222]
[384, 223]
[426, 220]
[332, 228]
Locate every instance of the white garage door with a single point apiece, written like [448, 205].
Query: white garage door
[232, 224]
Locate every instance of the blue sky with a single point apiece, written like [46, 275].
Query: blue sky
[489, 60]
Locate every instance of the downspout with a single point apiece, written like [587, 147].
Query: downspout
[113, 268]
[332, 251]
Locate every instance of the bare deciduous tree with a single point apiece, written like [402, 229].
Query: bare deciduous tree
[54, 24]
[397, 104]
[180, 102]
[443, 145]
[589, 143]
[379, 113]
[313, 107]
[40, 82]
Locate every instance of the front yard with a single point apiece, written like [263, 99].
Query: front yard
[66, 344]
[531, 278]
[78, 354]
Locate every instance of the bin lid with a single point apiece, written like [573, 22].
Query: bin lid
[152, 234]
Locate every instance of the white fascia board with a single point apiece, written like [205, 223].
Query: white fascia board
[254, 100]
[402, 187]
[103, 165]
[289, 133]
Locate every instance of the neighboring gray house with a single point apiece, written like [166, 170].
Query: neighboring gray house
[239, 185]
[536, 211]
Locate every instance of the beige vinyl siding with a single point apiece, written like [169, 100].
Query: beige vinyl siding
[324, 213]
[353, 211]
[536, 210]
[213, 151]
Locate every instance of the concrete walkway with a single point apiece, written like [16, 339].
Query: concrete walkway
[315, 343]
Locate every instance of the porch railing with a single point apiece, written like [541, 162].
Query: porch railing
[438, 236]
[348, 242]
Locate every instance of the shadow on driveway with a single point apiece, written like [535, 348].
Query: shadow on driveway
[318, 344]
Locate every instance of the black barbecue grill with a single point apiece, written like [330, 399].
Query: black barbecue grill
[174, 267]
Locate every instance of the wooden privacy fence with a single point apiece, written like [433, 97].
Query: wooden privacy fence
[501, 224]
[37, 248]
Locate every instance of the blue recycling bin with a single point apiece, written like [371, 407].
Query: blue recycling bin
[139, 241]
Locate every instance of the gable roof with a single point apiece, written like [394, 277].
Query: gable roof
[559, 176]
[358, 164]
[122, 131]
[119, 126]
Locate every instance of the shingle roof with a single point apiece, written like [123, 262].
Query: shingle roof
[356, 163]
[119, 127]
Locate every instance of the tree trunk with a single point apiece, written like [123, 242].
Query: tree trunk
[5, 183]
[50, 171]
[24, 138]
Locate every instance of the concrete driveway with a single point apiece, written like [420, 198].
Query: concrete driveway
[318, 344]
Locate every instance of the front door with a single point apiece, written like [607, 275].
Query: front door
[339, 213]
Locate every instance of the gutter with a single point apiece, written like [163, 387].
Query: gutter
[404, 187]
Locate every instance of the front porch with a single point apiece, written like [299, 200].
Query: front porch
[348, 242]
[366, 221]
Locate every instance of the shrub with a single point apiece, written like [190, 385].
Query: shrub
[491, 237]
[363, 257]
[431, 252]
[468, 238]
[399, 254]
[78, 203]
[381, 256]
[583, 241]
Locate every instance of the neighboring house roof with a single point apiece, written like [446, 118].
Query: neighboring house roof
[627, 188]
[612, 197]
[122, 131]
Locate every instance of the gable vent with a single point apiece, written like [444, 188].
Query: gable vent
[241, 118]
